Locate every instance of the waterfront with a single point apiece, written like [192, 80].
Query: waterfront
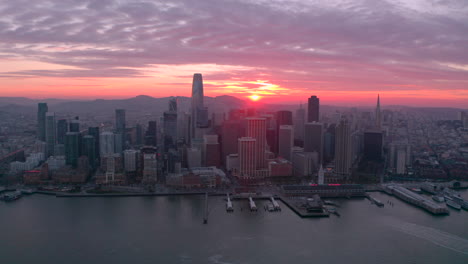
[46, 229]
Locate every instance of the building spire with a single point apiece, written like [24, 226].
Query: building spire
[378, 121]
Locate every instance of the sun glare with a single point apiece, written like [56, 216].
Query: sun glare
[254, 97]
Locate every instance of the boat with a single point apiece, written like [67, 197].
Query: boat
[12, 196]
[252, 205]
[452, 204]
[439, 199]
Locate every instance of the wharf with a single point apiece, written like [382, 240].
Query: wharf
[302, 212]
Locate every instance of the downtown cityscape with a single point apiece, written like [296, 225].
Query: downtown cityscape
[233, 131]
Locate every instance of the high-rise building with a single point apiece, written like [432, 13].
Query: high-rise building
[51, 133]
[75, 125]
[373, 145]
[199, 112]
[130, 160]
[299, 122]
[170, 125]
[321, 175]
[62, 129]
[378, 117]
[401, 161]
[94, 131]
[107, 144]
[256, 129]
[329, 143]
[286, 140]
[89, 150]
[139, 135]
[230, 133]
[343, 147]
[151, 134]
[313, 109]
[150, 168]
[313, 139]
[72, 148]
[282, 118]
[211, 151]
[120, 127]
[41, 121]
[247, 157]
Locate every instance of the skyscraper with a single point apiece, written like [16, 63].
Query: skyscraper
[343, 154]
[75, 125]
[247, 157]
[107, 144]
[378, 117]
[170, 125]
[230, 133]
[256, 129]
[313, 139]
[41, 121]
[286, 140]
[282, 118]
[199, 112]
[120, 128]
[51, 133]
[313, 109]
[89, 150]
[151, 134]
[94, 131]
[62, 129]
[72, 148]
[299, 122]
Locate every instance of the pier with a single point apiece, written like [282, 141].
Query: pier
[417, 200]
[205, 217]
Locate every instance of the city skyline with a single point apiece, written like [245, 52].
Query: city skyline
[111, 49]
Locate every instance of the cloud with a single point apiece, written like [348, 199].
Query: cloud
[351, 44]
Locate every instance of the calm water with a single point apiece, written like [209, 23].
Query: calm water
[45, 229]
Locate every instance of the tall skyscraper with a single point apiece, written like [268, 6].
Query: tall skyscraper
[313, 139]
[373, 145]
[62, 129]
[170, 125]
[72, 148]
[256, 129]
[51, 133]
[211, 151]
[41, 121]
[120, 128]
[151, 134]
[94, 131]
[75, 125]
[89, 150]
[230, 133]
[343, 146]
[299, 122]
[107, 144]
[247, 157]
[199, 112]
[313, 109]
[282, 118]
[286, 140]
[378, 116]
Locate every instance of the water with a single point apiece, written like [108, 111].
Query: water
[45, 229]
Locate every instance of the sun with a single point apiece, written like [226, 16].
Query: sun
[254, 97]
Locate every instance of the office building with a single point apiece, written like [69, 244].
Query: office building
[41, 121]
[313, 109]
[286, 141]
[72, 148]
[343, 149]
[51, 133]
[313, 138]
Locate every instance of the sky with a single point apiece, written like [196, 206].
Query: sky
[411, 52]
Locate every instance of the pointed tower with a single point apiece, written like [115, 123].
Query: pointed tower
[321, 178]
[378, 120]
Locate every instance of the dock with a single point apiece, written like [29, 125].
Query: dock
[417, 200]
[375, 201]
[205, 217]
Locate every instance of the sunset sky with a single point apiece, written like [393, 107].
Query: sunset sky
[411, 52]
